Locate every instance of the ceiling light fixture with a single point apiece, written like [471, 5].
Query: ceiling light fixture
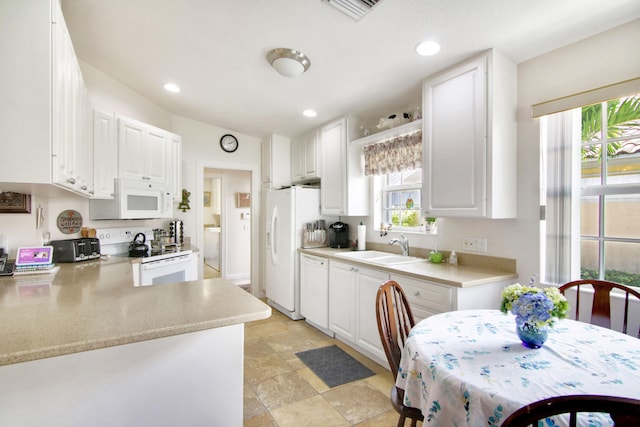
[309, 113]
[428, 48]
[288, 62]
[170, 87]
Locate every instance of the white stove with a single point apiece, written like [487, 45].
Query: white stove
[170, 266]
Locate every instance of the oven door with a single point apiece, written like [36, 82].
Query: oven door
[167, 270]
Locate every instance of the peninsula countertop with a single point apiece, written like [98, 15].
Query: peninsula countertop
[93, 305]
[459, 276]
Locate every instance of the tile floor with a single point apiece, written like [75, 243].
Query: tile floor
[280, 391]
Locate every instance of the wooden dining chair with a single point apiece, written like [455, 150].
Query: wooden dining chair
[601, 307]
[395, 320]
[623, 411]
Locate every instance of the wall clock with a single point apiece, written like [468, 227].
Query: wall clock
[229, 143]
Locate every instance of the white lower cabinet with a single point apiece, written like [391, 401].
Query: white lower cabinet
[342, 300]
[367, 335]
[314, 290]
[425, 298]
[352, 307]
[428, 298]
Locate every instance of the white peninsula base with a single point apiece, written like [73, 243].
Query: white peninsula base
[193, 379]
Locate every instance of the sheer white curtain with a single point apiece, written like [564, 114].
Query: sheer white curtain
[560, 175]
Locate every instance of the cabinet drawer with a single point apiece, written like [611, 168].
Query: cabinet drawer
[426, 296]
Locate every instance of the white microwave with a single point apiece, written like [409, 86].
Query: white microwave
[134, 199]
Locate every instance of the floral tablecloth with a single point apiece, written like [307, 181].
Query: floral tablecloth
[468, 368]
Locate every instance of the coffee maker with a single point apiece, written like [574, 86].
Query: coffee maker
[339, 235]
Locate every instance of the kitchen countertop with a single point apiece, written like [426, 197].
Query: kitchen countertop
[459, 276]
[93, 304]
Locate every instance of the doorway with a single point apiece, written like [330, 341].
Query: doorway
[219, 211]
[212, 214]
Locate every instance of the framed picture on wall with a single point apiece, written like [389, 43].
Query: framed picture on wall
[243, 200]
[15, 203]
[207, 199]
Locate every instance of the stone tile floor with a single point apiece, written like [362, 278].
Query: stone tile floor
[279, 390]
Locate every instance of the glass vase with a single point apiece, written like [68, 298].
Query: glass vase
[532, 336]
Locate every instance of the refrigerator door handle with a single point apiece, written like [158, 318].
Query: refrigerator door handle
[272, 239]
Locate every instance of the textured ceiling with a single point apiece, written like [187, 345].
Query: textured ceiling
[215, 50]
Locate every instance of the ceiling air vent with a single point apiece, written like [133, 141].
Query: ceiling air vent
[355, 9]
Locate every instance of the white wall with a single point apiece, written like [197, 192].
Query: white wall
[607, 58]
[108, 94]
[201, 150]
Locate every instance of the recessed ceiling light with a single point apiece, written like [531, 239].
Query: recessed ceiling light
[309, 113]
[170, 87]
[428, 48]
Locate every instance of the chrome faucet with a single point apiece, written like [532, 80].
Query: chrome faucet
[402, 242]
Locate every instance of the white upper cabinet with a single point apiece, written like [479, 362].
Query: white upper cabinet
[276, 152]
[105, 154]
[305, 158]
[142, 151]
[174, 166]
[72, 147]
[345, 188]
[469, 134]
[45, 116]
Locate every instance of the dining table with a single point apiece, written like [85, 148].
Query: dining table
[469, 368]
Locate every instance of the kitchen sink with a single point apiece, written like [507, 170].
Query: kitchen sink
[363, 255]
[380, 258]
[395, 260]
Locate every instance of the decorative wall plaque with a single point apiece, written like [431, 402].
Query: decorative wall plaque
[69, 221]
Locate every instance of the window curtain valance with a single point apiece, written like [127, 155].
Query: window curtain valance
[395, 155]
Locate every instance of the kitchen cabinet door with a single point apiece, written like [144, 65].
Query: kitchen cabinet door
[342, 300]
[105, 154]
[174, 166]
[367, 334]
[297, 159]
[345, 188]
[333, 191]
[142, 151]
[72, 148]
[311, 157]
[304, 158]
[276, 161]
[314, 289]
[469, 134]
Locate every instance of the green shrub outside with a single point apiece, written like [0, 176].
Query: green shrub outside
[622, 277]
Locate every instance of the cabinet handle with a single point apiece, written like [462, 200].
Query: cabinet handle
[84, 188]
[71, 180]
[416, 293]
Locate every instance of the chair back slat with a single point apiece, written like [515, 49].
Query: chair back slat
[601, 307]
[395, 321]
[625, 412]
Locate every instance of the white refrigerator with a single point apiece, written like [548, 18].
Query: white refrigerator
[287, 211]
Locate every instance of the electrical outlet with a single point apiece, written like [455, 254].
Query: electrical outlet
[468, 244]
[474, 244]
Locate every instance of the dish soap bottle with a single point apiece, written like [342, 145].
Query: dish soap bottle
[453, 258]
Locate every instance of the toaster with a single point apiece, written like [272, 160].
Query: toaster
[75, 250]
